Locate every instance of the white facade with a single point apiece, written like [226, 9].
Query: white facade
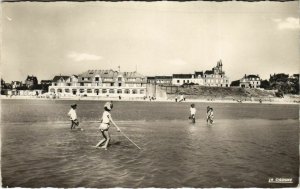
[102, 83]
[215, 80]
[250, 81]
[215, 77]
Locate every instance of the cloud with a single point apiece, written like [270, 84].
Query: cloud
[289, 23]
[78, 57]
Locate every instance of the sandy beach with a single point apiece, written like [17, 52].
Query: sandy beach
[294, 99]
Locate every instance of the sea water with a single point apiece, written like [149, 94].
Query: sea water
[248, 145]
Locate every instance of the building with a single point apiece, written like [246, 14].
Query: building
[216, 76]
[151, 79]
[198, 78]
[46, 82]
[160, 80]
[180, 79]
[107, 83]
[163, 80]
[250, 81]
[16, 84]
[31, 81]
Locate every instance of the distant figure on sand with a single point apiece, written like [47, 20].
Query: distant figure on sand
[73, 116]
[104, 125]
[193, 113]
[210, 115]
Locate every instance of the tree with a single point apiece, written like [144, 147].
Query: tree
[235, 83]
[265, 84]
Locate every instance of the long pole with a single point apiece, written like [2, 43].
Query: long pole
[130, 140]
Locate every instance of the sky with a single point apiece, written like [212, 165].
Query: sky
[153, 38]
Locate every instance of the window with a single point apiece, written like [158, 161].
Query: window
[81, 90]
[119, 78]
[59, 90]
[127, 91]
[134, 91]
[68, 84]
[52, 90]
[142, 91]
[89, 90]
[96, 91]
[67, 90]
[104, 91]
[119, 91]
[120, 84]
[111, 84]
[81, 84]
[96, 78]
[111, 91]
[178, 81]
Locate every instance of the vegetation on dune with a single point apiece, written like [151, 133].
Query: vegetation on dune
[222, 92]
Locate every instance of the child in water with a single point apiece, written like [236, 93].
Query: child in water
[104, 125]
[210, 115]
[73, 116]
[193, 113]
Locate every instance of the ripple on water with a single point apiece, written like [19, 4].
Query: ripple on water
[173, 154]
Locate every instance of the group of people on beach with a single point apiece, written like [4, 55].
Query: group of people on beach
[104, 123]
[209, 114]
[106, 120]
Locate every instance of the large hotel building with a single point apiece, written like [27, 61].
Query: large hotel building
[107, 83]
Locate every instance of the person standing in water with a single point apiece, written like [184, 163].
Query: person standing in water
[105, 124]
[193, 113]
[73, 116]
[209, 115]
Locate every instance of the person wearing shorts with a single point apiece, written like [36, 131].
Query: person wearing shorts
[105, 124]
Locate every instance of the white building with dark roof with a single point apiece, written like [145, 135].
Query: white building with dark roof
[107, 83]
[215, 77]
[250, 81]
[180, 79]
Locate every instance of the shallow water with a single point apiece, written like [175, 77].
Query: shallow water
[39, 150]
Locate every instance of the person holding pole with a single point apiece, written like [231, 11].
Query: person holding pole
[105, 124]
